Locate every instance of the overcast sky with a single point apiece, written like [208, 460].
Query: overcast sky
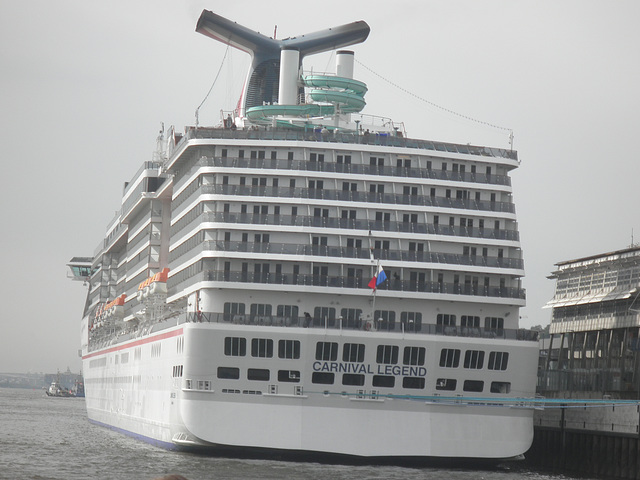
[85, 86]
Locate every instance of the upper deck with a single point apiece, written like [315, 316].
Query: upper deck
[343, 137]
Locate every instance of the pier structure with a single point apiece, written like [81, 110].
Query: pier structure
[595, 328]
[591, 361]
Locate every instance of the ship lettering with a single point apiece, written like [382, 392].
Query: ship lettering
[365, 368]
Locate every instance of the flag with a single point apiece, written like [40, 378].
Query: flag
[378, 278]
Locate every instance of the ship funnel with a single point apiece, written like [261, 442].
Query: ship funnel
[289, 64]
[344, 63]
[264, 76]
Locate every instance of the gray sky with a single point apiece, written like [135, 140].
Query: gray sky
[85, 86]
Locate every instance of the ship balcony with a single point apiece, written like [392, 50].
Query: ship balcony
[239, 279]
[398, 173]
[363, 225]
[367, 199]
[404, 326]
[180, 252]
[344, 138]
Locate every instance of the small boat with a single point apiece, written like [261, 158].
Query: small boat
[56, 390]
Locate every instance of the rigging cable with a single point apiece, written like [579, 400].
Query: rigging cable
[212, 85]
[436, 105]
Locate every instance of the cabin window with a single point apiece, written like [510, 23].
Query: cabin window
[413, 382]
[387, 354]
[493, 323]
[327, 351]
[413, 356]
[500, 387]
[473, 386]
[473, 359]
[232, 310]
[351, 317]
[412, 321]
[386, 381]
[288, 348]
[320, 314]
[262, 347]
[450, 357]
[498, 360]
[260, 308]
[353, 352]
[288, 311]
[229, 373]
[444, 319]
[446, 384]
[469, 321]
[290, 376]
[353, 379]
[235, 346]
[261, 374]
[323, 378]
[385, 319]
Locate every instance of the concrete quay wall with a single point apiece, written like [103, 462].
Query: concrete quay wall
[590, 441]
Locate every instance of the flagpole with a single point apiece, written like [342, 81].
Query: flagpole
[373, 312]
[375, 290]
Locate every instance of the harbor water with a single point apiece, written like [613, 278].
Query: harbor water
[43, 438]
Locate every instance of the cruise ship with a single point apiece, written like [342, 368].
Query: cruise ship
[304, 278]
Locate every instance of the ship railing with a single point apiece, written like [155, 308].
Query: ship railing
[196, 217]
[305, 193]
[350, 323]
[185, 279]
[351, 168]
[344, 137]
[192, 248]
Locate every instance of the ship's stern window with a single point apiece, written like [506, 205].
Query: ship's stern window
[473, 386]
[323, 378]
[473, 359]
[413, 356]
[289, 349]
[446, 384]
[498, 360]
[261, 374]
[262, 347]
[353, 352]
[493, 323]
[327, 351]
[232, 311]
[386, 381]
[353, 379]
[235, 346]
[385, 319]
[412, 321]
[500, 387]
[351, 317]
[387, 354]
[450, 357]
[413, 382]
[290, 376]
[229, 373]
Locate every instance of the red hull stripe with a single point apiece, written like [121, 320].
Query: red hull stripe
[155, 338]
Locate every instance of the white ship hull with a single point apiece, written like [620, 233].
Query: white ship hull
[143, 399]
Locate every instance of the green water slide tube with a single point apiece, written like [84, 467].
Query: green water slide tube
[346, 92]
